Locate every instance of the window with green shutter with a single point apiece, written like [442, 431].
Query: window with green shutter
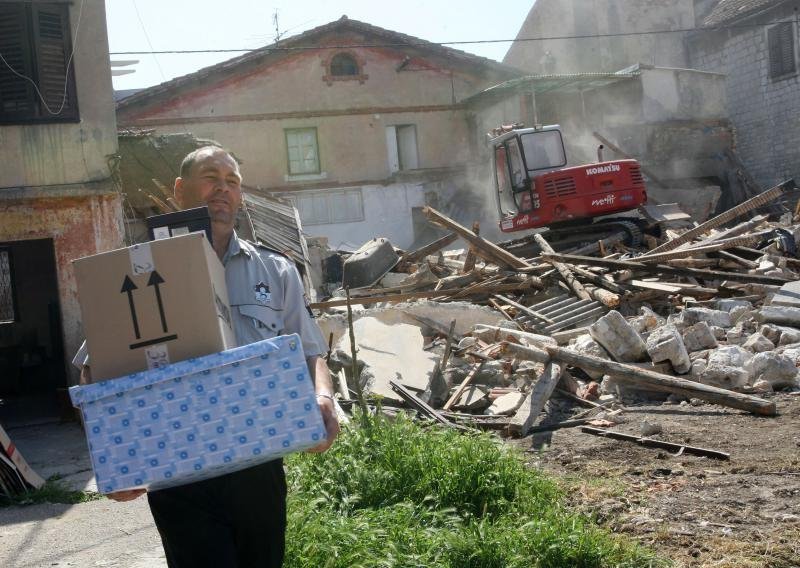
[301, 144]
[781, 50]
[37, 82]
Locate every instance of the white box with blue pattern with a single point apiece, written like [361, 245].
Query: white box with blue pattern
[202, 417]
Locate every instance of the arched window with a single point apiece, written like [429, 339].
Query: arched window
[344, 64]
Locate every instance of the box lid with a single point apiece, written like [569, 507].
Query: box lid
[83, 394]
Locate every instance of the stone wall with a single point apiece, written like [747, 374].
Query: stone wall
[765, 112]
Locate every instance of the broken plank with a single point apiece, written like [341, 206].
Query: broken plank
[729, 215]
[533, 404]
[568, 277]
[430, 248]
[544, 352]
[469, 262]
[463, 386]
[660, 268]
[421, 406]
[365, 300]
[651, 443]
[483, 248]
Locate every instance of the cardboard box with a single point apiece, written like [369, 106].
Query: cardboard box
[153, 303]
[201, 418]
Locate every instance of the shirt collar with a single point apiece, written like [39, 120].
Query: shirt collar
[234, 248]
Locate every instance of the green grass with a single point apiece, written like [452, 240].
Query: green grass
[53, 491]
[393, 494]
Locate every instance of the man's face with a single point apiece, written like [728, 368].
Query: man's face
[213, 180]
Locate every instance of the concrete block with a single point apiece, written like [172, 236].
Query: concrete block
[666, 344]
[725, 367]
[771, 332]
[691, 316]
[585, 345]
[473, 398]
[782, 315]
[615, 335]
[719, 333]
[647, 320]
[757, 343]
[789, 335]
[505, 405]
[699, 336]
[778, 370]
[788, 295]
[727, 304]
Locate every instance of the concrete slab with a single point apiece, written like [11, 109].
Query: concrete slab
[788, 295]
[390, 353]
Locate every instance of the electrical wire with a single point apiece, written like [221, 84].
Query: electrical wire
[66, 76]
[423, 43]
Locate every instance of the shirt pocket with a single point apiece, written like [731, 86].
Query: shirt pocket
[263, 321]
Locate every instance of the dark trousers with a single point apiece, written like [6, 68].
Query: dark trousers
[233, 521]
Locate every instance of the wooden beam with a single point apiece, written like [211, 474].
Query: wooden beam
[420, 253]
[421, 406]
[469, 262]
[566, 275]
[637, 376]
[729, 215]
[533, 404]
[663, 269]
[453, 292]
[463, 386]
[483, 248]
[650, 443]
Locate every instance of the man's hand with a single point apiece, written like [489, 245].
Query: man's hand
[328, 411]
[127, 495]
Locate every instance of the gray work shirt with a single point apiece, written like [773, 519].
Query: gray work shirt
[267, 297]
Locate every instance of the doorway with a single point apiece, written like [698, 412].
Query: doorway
[32, 372]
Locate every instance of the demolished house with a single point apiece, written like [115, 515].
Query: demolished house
[481, 337]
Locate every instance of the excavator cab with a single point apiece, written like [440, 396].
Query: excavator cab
[534, 188]
[519, 155]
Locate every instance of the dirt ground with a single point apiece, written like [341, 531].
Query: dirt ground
[697, 511]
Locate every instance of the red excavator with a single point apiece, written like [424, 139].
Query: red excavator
[534, 188]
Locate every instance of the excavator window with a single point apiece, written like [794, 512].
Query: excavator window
[516, 166]
[544, 150]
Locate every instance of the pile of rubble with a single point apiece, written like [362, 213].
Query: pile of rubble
[703, 314]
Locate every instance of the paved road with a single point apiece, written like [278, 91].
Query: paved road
[96, 533]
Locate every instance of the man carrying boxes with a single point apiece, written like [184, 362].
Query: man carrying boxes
[238, 519]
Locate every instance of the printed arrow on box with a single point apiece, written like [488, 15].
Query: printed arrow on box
[128, 287]
[156, 280]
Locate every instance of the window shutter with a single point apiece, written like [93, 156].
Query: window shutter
[16, 94]
[787, 47]
[51, 33]
[781, 50]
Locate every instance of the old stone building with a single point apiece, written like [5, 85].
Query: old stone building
[755, 44]
[57, 199]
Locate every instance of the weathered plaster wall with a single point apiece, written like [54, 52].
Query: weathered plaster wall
[295, 84]
[765, 112]
[673, 121]
[571, 18]
[389, 216]
[80, 225]
[352, 148]
[51, 154]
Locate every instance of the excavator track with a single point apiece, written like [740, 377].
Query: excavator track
[578, 238]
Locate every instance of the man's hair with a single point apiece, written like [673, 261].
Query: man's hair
[191, 157]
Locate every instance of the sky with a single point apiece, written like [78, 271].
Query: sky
[158, 25]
